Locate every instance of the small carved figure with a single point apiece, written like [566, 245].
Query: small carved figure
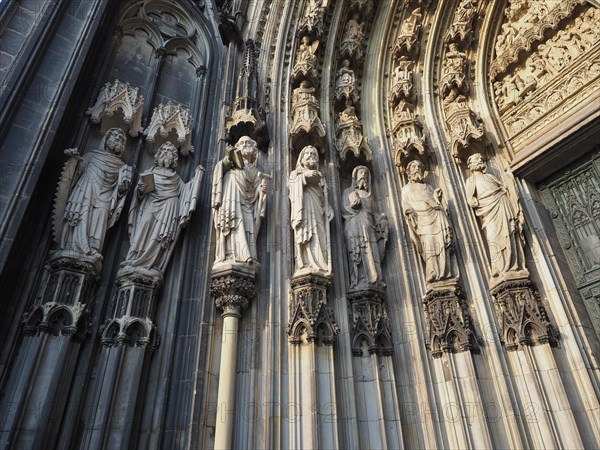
[428, 224]
[306, 59]
[366, 232]
[99, 182]
[345, 85]
[160, 209]
[239, 201]
[501, 217]
[310, 214]
[402, 79]
[354, 29]
[408, 35]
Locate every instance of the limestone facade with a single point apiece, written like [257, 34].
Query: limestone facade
[300, 224]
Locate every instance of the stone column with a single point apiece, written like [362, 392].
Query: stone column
[233, 287]
[312, 331]
[128, 338]
[53, 331]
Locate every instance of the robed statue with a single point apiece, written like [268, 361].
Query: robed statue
[428, 225]
[366, 232]
[161, 207]
[239, 203]
[501, 217]
[90, 197]
[310, 215]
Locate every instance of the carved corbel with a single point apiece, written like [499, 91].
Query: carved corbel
[311, 317]
[118, 97]
[370, 332]
[521, 315]
[233, 289]
[449, 325]
[168, 119]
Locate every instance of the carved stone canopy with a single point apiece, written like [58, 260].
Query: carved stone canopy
[306, 127]
[406, 44]
[170, 122]
[120, 98]
[349, 136]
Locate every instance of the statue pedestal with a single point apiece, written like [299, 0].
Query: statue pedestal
[448, 320]
[54, 329]
[311, 317]
[370, 324]
[233, 287]
[521, 314]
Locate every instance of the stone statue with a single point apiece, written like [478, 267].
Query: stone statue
[90, 197]
[239, 202]
[354, 29]
[428, 224]
[306, 59]
[501, 217]
[160, 208]
[366, 232]
[310, 214]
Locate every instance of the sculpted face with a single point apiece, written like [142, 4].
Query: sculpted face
[115, 142]
[166, 156]
[415, 171]
[248, 148]
[310, 159]
[362, 179]
[476, 163]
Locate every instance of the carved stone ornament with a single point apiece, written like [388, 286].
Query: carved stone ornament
[408, 37]
[349, 136]
[462, 23]
[233, 289]
[239, 197]
[310, 215]
[247, 117]
[453, 72]
[67, 288]
[132, 307]
[363, 8]
[166, 120]
[90, 197]
[311, 23]
[306, 64]
[528, 23]
[557, 76]
[467, 134]
[160, 208]
[429, 225]
[305, 126]
[311, 317]
[353, 40]
[402, 84]
[408, 138]
[116, 97]
[449, 326]
[366, 232]
[521, 315]
[370, 332]
[345, 86]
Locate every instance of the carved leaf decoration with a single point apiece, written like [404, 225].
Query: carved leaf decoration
[68, 178]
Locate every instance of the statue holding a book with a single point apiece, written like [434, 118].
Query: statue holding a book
[239, 201]
[160, 208]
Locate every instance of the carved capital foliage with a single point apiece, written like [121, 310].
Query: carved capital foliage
[167, 119]
[132, 308]
[521, 315]
[370, 324]
[311, 317]
[232, 292]
[449, 325]
[118, 97]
